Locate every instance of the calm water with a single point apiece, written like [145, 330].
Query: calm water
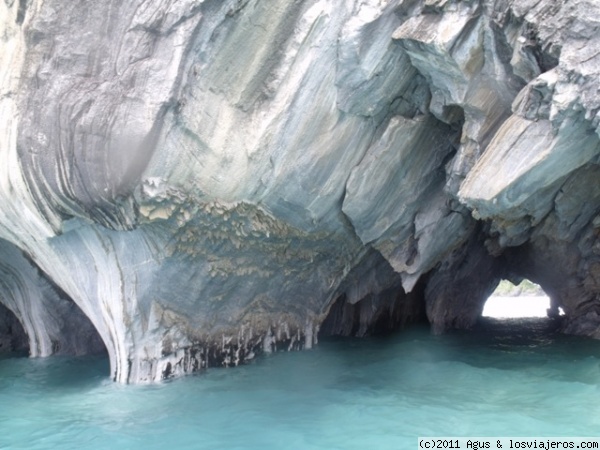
[345, 394]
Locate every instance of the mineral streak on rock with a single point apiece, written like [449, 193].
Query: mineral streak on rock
[199, 181]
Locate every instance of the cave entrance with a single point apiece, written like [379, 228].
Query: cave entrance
[525, 299]
[13, 339]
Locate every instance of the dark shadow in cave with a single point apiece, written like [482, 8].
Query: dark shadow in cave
[80, 336]
[375, 315]
[13, 339]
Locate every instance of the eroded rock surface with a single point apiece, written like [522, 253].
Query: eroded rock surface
[208, 180]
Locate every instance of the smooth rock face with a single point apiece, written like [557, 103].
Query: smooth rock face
[208, 180]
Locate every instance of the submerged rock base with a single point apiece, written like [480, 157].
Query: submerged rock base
[230, 351]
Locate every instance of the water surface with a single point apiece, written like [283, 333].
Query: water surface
[375, 393]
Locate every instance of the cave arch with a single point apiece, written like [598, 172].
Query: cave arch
[49, 318]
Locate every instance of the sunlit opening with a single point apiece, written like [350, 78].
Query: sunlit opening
[524, 300]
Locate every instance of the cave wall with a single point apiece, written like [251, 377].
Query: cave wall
[207, 180]
[13, 339]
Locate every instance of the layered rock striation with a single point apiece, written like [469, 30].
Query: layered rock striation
[195, 182]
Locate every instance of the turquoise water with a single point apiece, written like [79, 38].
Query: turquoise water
[372, 393]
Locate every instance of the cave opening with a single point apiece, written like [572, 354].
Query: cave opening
[37, 317]
[13, 339]
[524, 299]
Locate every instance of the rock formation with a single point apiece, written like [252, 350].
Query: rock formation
[200, 181]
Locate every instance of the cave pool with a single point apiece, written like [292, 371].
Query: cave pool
[511, 378]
